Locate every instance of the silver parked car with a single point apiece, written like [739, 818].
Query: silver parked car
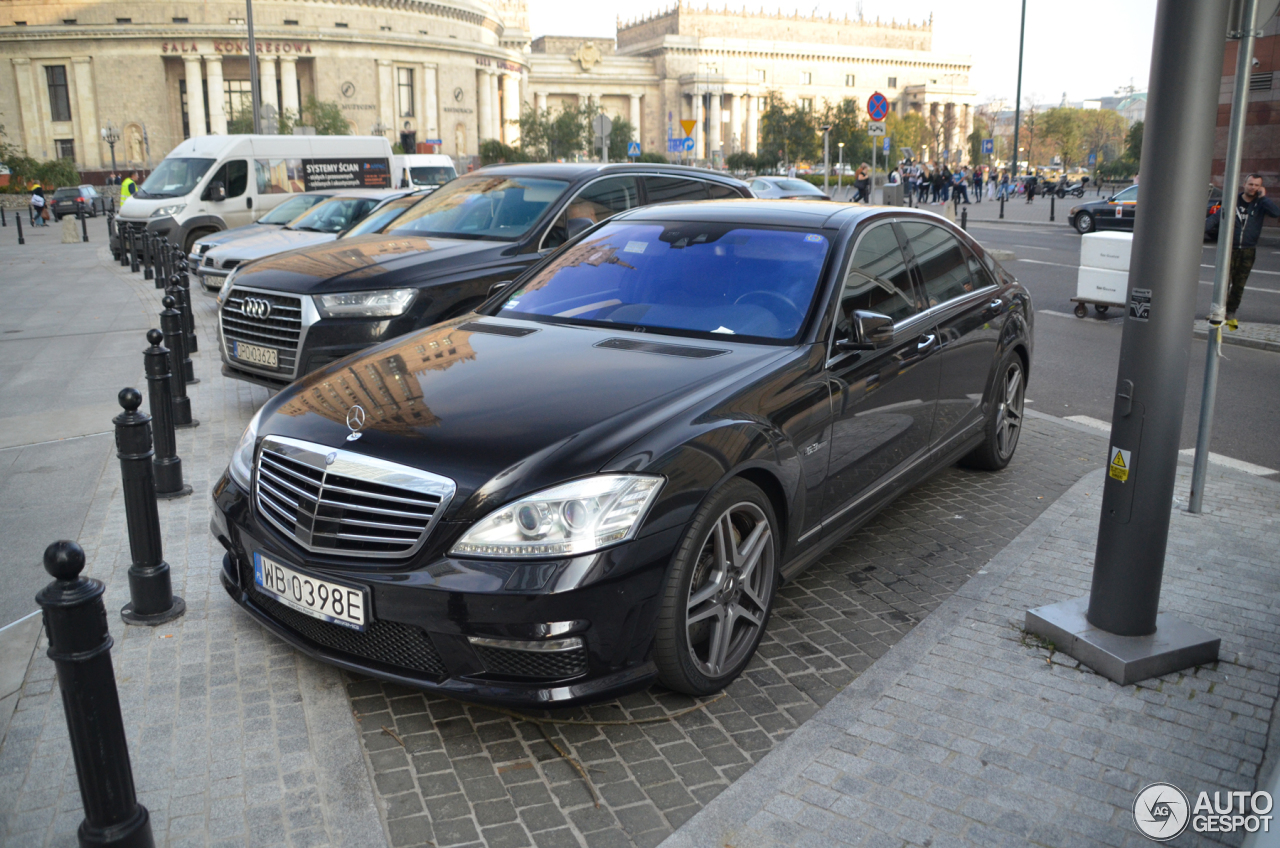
[321, 224]
[290, 210]
[779, 188]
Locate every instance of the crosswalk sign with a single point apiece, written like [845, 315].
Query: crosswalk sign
[1121, 462]
[633, 148]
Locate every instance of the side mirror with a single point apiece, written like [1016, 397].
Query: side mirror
[497, 287]
[871, 331]
[217, 191]
[577, 225]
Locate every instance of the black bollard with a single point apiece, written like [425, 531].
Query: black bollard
[1002, 207]
[133, 249]
[84, 225]
[171, 326]
[75, 622]
[188, 310]
[176, 292]
[4, 222]
[167, 464]
[148, 273]
[151, 598]
[964, 220]
[17, 219]
[166, 259]
[1052, 198]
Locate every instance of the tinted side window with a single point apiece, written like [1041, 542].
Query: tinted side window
[720, 192]
[978, 272]
[942, 263]
[877, 280]
[598, 201]
[664, 189]
[234, 175]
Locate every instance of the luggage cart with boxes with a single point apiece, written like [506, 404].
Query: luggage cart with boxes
[1103, 277]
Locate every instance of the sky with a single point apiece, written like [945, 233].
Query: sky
[1087, 48]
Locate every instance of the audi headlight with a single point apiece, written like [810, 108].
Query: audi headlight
[387, 303]
[574, 518]
[167, 211]
[241, 465]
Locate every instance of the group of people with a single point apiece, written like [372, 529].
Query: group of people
[937, 183]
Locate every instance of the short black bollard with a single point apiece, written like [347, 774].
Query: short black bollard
[171, 326]
[1002, 207]
[166, 259]
[1052, 198]
[964, 220]
[188, 311]
[151, 598]
[17, 219]
[75, 621]
[84, 225]
[133, 249]
[176, 292]
[4, 222]
[167, 464]
[148, 272]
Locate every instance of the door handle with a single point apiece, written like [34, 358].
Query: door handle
[926, 342]
[248, 203]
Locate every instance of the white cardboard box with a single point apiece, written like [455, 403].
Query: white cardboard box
[1106, 250]
[1102, 285]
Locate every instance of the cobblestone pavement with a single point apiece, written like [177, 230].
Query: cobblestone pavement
[972, 733]
[234, 738]
[454, 774]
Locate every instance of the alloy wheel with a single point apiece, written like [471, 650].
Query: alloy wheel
[729, 591]
[1009, 413]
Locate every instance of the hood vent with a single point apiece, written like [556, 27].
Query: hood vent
[496, 329]
[686, 351]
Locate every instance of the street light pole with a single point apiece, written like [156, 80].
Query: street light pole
[254, 89]
[1017, 103]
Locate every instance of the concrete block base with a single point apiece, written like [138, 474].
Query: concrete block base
[1174, 646]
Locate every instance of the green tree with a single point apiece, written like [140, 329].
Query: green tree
[1133, 143]
[493, 151]
[1063, 129]
[547, 136]
[326, 116]
[910, 131]
[740, 161]
[650, 156]
[619, 137]
[788, 129]
[980, 132]
[1103, 132]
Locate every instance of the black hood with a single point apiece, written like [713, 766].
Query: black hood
[503, 415]
[374, 261]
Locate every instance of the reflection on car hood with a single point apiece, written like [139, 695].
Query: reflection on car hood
[267, 241]
[233, 234]
[364, 262]
[507, 413]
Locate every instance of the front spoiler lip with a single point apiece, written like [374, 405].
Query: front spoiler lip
[482, 692]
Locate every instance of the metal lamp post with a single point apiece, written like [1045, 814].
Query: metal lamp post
[255, 92]
[111, 135]
[840, 167]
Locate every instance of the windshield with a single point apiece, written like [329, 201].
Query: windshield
[382, 216]
[290, 209]
[431, 176]
[334, 215]
[66, 192]
[686, 278]
[798, 185]
[1129, 195]
[481, 207]
[175, 177]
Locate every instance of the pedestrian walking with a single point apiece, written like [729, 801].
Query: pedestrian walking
[958, 186]
[977, 184]
[1252, 206]
[925, 181]
[862, 184]
[39, 208]
[1030, 183]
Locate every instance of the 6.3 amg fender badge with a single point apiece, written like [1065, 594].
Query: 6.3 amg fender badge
[355, 420]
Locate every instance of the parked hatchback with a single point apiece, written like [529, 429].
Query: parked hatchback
[287, 315]
[600, 478]
[85, 198]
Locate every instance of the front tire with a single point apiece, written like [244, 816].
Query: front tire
[719, 591]
[1004, 421]
[1085, 223]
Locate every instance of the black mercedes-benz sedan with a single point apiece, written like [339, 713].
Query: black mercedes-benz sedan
[287, 315]
[599, 477]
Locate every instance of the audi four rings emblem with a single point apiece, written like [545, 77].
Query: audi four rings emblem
[355, 420]
[256, 307]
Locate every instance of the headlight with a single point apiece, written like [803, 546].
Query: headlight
[575, 518]
[372, 304]
[226, 287]
[242, 458]
[166, 211]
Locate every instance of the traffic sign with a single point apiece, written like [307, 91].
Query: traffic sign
[601, 125]
[633, 148]
[688, 126]
[688, 145]
[886, 144]
[877, 106]
[988, 146]
[1093, 158]
[875, 128]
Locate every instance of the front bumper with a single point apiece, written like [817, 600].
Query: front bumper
[423, 610]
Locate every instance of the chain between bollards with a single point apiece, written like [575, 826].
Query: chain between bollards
[167, 464]
[151, 598]
[171, 326]
[75, 622]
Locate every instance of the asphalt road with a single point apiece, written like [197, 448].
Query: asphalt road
[1074, 370]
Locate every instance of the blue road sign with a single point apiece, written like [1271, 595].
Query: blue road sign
[988, 146]
[877, 106]
[675, 145]
[886, 144]
[1093, 158]
[633, 148]
[688, 145]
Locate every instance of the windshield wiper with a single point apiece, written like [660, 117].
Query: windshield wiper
[309, 229]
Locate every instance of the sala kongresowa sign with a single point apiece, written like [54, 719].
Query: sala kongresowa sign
[345, 173]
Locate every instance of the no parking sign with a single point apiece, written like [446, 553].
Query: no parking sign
[877, 106]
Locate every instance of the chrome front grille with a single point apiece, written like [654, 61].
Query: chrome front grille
[280, 327]
[333, 501]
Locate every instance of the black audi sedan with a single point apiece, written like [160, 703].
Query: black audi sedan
[287, 315]
[599, 478]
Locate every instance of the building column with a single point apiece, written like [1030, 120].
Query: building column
[91, 154]
[511, 103]
[387, 98]
[217, 97]
[736, 135]
[32, 137]
[289, 86]
[753, 125]
[716, 110]
[540, 101]
[195, 97]
[430, 107]
[495, 103]
[635, 117]
[484, 109]
[267, 81]
[699, 145]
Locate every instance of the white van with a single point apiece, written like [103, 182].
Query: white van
[422, 170]
[216, 182]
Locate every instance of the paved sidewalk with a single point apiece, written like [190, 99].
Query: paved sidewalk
[1250, 334]
[971, 733]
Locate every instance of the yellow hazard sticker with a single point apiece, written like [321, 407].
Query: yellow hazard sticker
[1120, 464]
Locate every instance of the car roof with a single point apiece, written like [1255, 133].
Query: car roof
[578, 170]
[783, 213]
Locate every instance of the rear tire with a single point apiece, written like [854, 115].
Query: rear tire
[1085, 223]
[192, 238]
[723, 577]
[1004, 421]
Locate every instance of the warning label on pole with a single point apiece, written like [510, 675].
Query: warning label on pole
[1140, 304]
[1120, 465]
